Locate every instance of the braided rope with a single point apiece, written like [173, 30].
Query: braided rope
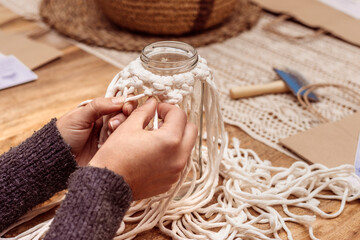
[246, 204]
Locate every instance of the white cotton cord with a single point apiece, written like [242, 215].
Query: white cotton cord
[33, 233]
[84, 103]
[246, 203]
[156, 120]
[245, 192]
[311, 233]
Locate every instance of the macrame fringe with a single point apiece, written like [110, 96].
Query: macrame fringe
[244, 205]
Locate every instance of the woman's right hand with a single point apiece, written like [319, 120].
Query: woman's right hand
[149, 160]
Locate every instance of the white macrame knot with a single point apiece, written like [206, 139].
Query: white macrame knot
[170, 89]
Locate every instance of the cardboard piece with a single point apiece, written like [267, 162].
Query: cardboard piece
[316, 14]
[33, 54]
[6, 15]
[331, 144]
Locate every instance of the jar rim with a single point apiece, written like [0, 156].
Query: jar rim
[166, 64]
[169, 44]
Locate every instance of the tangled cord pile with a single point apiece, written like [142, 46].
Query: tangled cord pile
[244, 205]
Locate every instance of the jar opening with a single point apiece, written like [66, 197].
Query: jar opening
[169, 57]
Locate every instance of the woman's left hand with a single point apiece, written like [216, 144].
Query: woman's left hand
[80, 127]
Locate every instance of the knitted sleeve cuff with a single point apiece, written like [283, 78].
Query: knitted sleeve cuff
[32, 172]
[94, 206]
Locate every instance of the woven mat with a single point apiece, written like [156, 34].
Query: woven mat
[249, 59]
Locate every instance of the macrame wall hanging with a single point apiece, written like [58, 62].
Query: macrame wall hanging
[244, 203]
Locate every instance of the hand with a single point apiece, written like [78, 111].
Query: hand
[149, 160]
[80, 128]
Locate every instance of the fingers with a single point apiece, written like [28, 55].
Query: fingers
[141, 116]
[189, 138]
[129, 107]
[186, 145]
[99, 107]
[115, 121]
[174, 118]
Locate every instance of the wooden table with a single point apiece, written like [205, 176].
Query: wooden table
[78, 76]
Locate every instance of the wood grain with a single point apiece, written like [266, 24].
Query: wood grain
[79, 76]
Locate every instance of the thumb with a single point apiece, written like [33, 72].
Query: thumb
[99, 107]
[141, 116]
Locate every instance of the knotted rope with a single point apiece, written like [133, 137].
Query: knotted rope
[245, 205]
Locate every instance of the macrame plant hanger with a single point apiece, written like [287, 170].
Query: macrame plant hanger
[174, 73]
[246, 203]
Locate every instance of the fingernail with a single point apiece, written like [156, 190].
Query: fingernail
[128, 107]
[117, 100]
[114, 124]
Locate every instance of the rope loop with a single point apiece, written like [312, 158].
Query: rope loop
[305, 102]
[272, 27]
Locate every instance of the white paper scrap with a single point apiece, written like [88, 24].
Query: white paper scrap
[350, 7]
[355, 180]
[357, 159]
[13, 72]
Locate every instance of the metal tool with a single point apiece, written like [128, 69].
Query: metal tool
[290, 81]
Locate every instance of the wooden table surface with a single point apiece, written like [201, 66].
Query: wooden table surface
[79, 76]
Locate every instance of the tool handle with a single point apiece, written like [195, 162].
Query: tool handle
[255, 90]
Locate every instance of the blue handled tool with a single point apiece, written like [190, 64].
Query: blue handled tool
[295, 81]
[290, 81]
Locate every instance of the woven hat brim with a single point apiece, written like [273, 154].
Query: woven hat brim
[83, 21]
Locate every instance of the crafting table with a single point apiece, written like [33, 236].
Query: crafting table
[78, 76]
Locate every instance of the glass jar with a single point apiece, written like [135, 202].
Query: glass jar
[166, 58]
[169, 57]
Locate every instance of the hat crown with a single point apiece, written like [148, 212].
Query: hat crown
[167, 17]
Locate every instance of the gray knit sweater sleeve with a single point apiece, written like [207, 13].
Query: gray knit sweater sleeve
[93, 208]
[32, 172]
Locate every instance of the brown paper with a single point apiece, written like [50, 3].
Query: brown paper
[33, 54]
[331, 144]
[6, 16]
[317, 15]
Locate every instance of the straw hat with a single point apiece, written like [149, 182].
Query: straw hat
[129, 25]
